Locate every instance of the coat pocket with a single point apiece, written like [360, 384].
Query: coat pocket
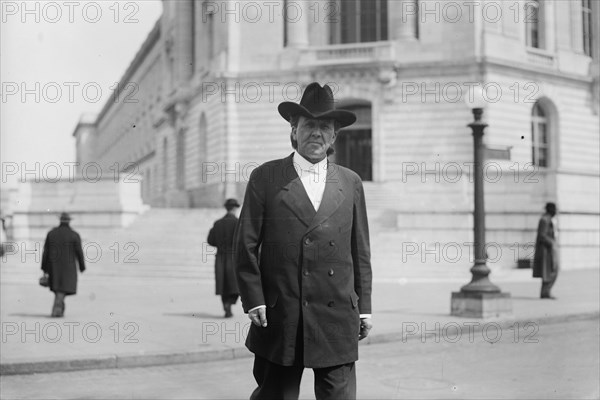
[354, 299]
[272, 300]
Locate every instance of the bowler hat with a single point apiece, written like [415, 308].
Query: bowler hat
[65, 217]
[230, 203]
[317, 103]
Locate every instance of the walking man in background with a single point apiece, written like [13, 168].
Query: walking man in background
[62, 250]
[303, 259]
[545, 260]
[221, 237]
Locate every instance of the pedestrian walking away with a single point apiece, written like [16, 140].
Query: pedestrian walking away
[303, 259]
[546, 257]
[3, 237]
[62, 253]
[221, 237]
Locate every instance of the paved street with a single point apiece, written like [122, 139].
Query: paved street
[548, 361]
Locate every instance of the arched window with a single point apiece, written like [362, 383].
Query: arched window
[534, 24]
[586, 17]
[180, 171]
[360, 21]
[540, 136]
[353, 148]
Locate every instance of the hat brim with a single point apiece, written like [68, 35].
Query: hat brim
[288, 109]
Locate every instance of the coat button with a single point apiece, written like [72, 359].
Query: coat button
[305, 303]
[331, 243]
[307, 241]
[330, 272]
[331, 303]
[305, 273]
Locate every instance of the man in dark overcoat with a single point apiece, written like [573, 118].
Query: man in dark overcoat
[303, 259]
[221, 237]
[62, 250]
[545, 260]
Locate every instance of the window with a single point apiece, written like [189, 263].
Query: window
[193, 38]
[534, 24]
[416, 19]
[353, 144]
[285, 23]
[540, 136]
[180, 177]
[210, 21]
[586, 19]
[360, 21]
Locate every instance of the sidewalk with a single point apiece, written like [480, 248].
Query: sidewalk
[125, 318]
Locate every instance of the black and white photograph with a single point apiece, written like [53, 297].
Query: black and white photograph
[300, 199]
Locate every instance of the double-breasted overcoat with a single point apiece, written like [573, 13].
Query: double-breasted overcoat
[545, 259]
[310, 268]
[62, 250]
[221, 237]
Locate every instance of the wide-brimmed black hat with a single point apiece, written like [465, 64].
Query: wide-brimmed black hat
[230, 203]
[317, 103]
[64, 217]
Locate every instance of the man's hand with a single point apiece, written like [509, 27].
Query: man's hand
[365, 327]
[259, 316]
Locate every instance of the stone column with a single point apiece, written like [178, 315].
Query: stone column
[404, 17]
[296, 20]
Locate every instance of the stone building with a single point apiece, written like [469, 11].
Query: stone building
[196, 111]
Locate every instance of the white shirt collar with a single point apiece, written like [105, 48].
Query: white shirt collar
[305, 165]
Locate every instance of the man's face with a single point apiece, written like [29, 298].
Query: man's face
[314, 137]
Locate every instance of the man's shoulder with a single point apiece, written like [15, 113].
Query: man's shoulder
[227, 219]
[62, 232]
[345, 173]
[277, 163]
[270, 169]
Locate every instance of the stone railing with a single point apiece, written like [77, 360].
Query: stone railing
[540, 57]
[348, 53]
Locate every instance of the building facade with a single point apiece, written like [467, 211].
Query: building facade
[197, 111]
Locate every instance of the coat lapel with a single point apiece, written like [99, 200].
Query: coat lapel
[333, 196]
[294, 196]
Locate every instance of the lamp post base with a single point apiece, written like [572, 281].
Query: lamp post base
[480, 304]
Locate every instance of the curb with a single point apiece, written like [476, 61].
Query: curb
[501, 324]
[170, 358]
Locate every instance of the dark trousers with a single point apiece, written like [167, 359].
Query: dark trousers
[228, 299]
[547, 285]
[58, 309]
[283, 383]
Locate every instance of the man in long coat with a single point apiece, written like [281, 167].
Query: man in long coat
[221, 237]
[62, 250]
[545, 260]
[303, 259]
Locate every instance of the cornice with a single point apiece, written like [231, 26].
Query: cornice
[137, 61]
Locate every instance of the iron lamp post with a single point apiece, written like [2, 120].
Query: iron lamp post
[480, 298]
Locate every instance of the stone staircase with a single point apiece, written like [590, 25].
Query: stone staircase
[170, 243]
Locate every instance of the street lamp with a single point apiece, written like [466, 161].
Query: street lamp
[480, 297]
